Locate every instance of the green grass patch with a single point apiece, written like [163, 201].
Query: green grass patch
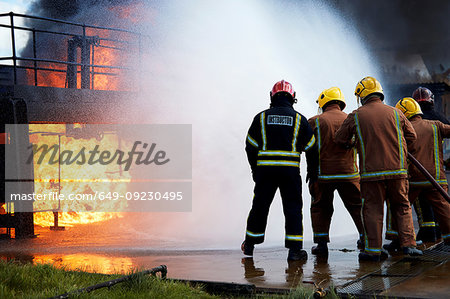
[44, 281]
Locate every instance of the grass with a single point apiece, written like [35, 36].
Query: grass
[44, 281]
[19, 280]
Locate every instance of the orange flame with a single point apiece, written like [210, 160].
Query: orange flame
[75, 179]
[105, 53]
[48, 78]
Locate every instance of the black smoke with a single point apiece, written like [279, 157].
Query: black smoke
[403, 27]
[71, 10]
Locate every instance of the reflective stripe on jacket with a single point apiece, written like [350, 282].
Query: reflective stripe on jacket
[277, 136]
[336, 163]
[428, 150]
[381, 133]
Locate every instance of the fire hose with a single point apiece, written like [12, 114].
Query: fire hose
[107, 284]
[429, 177]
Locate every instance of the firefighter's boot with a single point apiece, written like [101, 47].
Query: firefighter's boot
[247, 248]
[320, 249]
[427, 234]
[412, 251]
[297, 254]
[360, 244]
[393, 246]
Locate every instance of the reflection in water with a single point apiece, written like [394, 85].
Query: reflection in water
[379, 282]
[88, 262]
[21, 257]
[250, 270]
[97, 263]
[321, 273]
[100, 250]
[294, 272]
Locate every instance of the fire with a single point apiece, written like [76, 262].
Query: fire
[75, 179]
[48, 78]
[103, 53]
[106, 56]
[96, 263]
[102, 56]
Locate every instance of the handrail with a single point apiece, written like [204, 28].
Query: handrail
[67, 22]
[87, 64]
[60, 33]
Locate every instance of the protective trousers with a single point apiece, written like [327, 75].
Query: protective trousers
[267, 180]
[428, 228]
[425, 218]
[374, 194]
[441, 209]
[322, 194]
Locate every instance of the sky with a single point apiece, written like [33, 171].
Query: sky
[17, 6]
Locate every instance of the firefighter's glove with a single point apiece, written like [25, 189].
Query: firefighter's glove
[311, 177]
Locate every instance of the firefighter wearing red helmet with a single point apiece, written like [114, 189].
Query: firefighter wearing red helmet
[428, 228]
[274, 143]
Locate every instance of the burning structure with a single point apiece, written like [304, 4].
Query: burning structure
[202, 47]
[67, 75]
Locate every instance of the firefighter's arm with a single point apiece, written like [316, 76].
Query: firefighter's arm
[312, 123]
[444, 129]
[408, 130]
[312, 161]
[310, 147]
[305, 138]
[253, 142]
[345, 134]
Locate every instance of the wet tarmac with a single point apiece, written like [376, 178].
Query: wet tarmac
[268, 268]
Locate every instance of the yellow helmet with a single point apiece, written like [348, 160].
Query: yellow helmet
[368, 86]
[331, 94]
[409, 107]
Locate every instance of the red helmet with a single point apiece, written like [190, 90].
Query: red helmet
[423, 94]
[282, 86]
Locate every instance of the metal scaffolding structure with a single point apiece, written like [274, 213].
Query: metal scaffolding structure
[77, 38]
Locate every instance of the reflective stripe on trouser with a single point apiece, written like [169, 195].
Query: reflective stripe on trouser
[426, 218]
[426, 228]
[391, 225]
[267, 181]
[441, 207]
[322, 206]
[374, 195]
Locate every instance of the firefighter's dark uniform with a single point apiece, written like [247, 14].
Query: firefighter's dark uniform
[337, 171]
[274, 143]
[428, 227]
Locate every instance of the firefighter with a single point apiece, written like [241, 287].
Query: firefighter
[381, 133]
[337, 171]
[275, 140]
[428, 229]
[425, 98]
[430, 134]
